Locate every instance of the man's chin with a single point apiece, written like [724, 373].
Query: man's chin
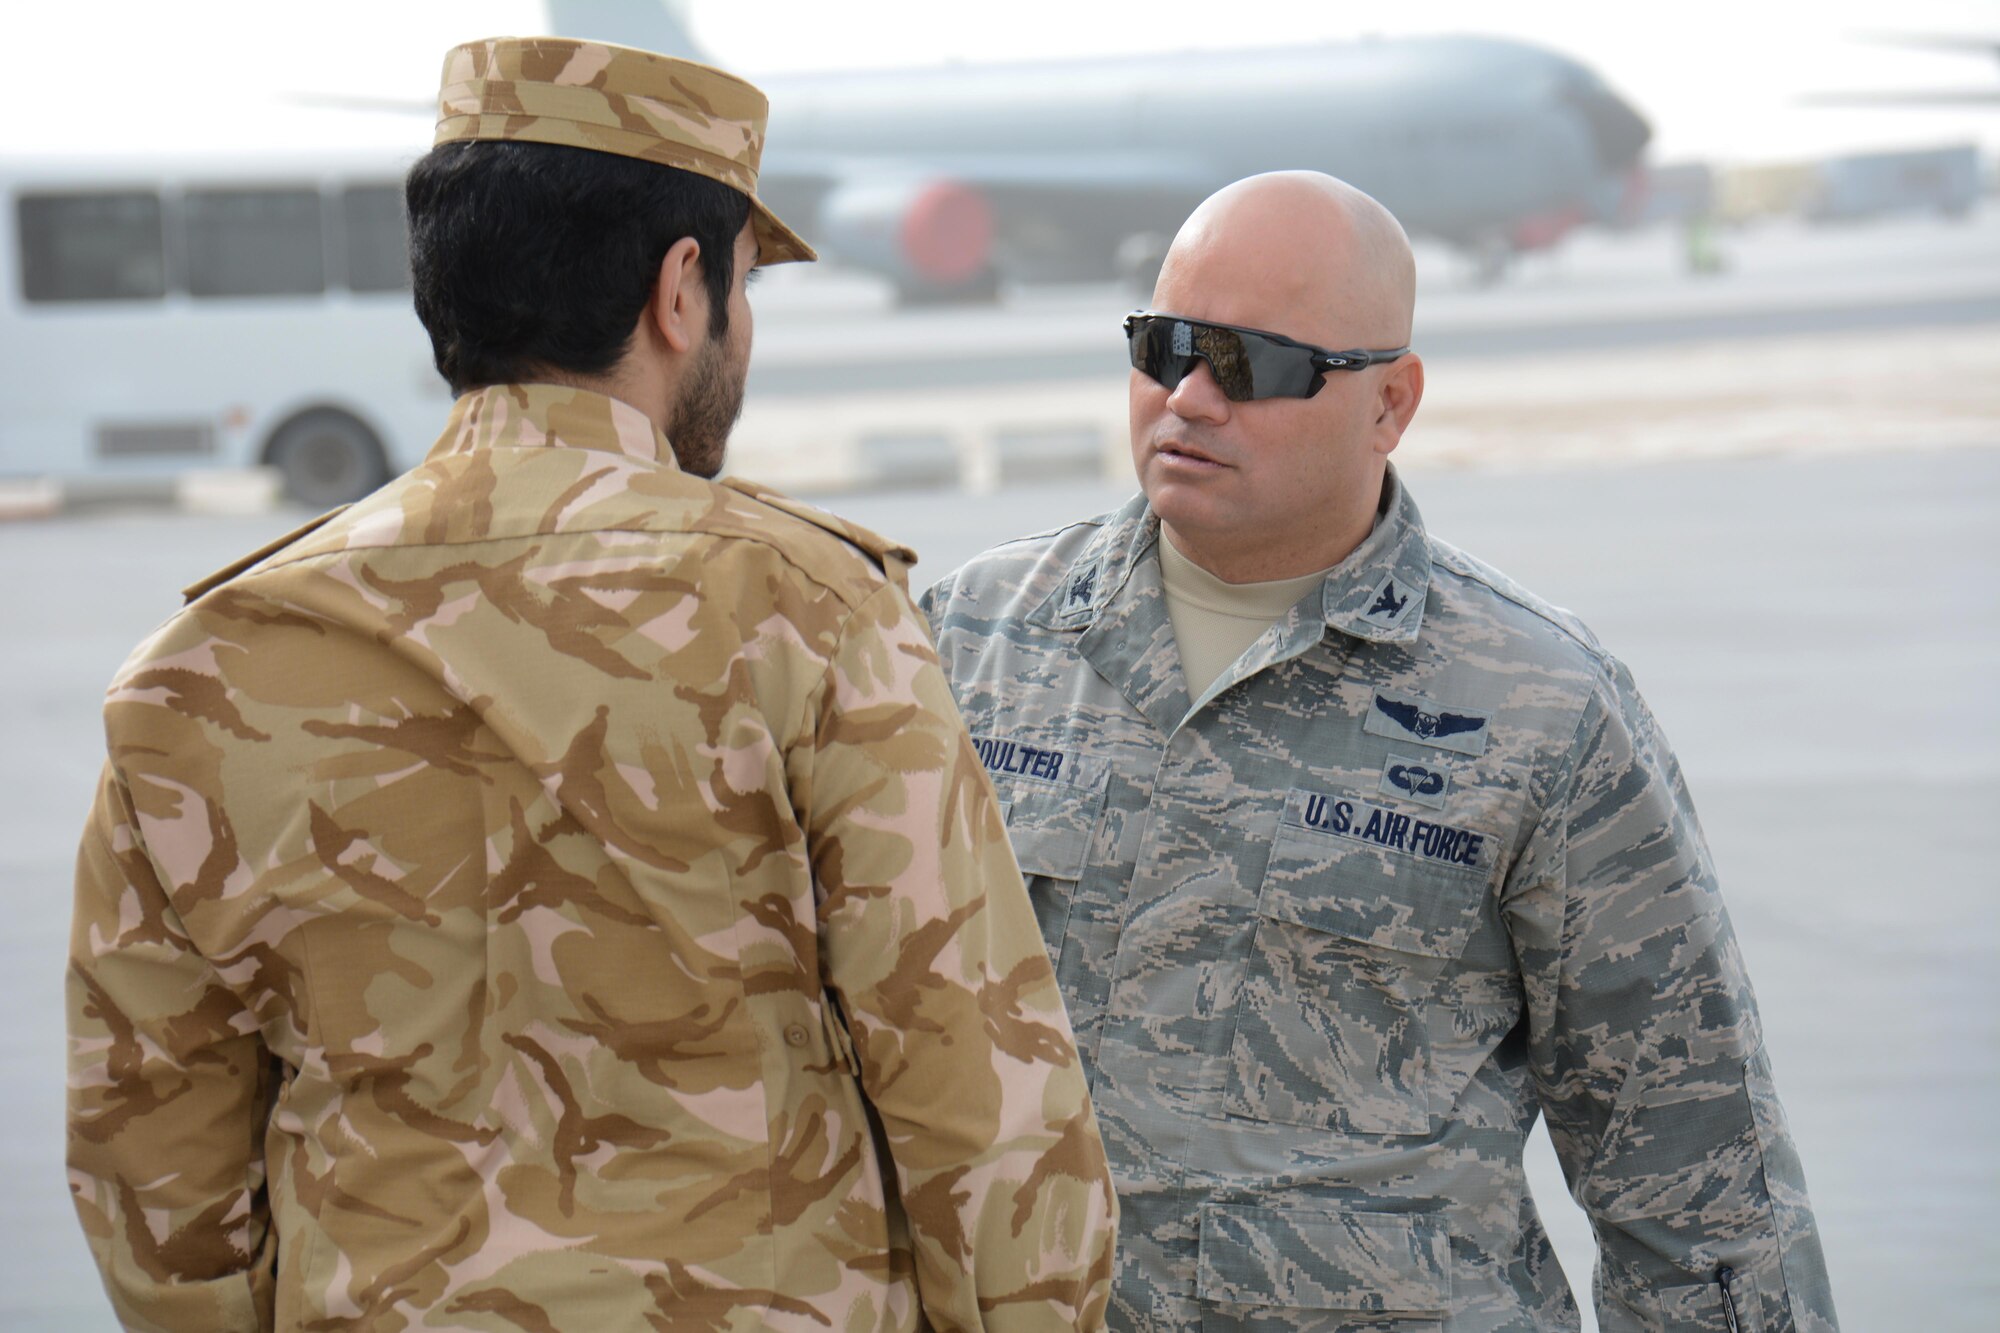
[1191, 515]
[711, 399]
[1173, 490]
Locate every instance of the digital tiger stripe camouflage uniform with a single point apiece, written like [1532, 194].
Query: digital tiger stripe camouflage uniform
[491, 900]
[1416, 869]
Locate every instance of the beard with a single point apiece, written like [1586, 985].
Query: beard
[711, 397]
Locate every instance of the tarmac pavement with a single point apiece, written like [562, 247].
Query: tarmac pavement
[1819, 633]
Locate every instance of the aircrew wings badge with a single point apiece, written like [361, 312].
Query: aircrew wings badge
[1409, 719]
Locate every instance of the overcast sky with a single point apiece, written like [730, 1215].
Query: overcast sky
[1720, 79]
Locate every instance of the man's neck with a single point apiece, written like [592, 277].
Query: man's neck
[1263, 561]
[1267, 556]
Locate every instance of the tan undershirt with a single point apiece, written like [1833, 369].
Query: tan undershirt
[1215, 621]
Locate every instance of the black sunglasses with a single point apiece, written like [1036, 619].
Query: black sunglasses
[1246, 363]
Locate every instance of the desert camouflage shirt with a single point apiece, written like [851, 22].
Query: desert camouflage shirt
[1416, 868]
[558, 893]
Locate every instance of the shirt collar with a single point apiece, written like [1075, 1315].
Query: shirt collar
[1378, 592]
[521, 416]
[1098, 574]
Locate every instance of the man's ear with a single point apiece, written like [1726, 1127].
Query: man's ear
[679, 308]
[1402, 390]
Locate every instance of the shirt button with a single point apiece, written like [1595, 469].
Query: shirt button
[796, 1035]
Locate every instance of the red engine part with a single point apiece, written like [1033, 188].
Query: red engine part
[947, 233]
[1544, 229]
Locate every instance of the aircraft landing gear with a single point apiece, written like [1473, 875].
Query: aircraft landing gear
[982, 288]
[1491, 258]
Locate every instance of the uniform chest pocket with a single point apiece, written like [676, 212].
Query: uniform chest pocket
[1331, 1028]
[1051, 828]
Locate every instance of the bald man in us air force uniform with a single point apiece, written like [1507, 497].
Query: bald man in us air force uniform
[1354, 857]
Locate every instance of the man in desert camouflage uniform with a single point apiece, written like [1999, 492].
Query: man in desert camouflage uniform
[1354, 856]
[557, 891]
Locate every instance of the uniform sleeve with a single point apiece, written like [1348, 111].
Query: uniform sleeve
[167, 1099]
[932, 951]
[1646, 1049]
[930, 604]
[933, 597]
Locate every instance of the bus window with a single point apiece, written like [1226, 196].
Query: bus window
[254, 243]
[91, 247]
[378, 242]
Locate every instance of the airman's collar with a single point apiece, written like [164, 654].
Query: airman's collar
[1097, 575]
[1378, 592]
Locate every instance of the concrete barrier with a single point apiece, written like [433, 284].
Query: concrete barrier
[205, 491]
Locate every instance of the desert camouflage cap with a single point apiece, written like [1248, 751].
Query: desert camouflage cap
[616, 100]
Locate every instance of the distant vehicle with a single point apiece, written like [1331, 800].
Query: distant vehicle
[946, 181]
[1914, 180]
[1917, 180]
[157, 315]
[1676, 192]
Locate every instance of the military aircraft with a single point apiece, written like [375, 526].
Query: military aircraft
[947, 181]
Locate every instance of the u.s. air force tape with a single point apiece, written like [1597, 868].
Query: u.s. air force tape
[1373, 825]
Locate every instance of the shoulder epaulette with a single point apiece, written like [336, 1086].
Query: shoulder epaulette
[892, 558]
[235, 567]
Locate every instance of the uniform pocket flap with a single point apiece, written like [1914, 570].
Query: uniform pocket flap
[1326, 885]
[1384, 1263]
[1053, 847]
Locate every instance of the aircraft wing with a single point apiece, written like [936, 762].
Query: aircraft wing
[1988, 45]
[1922, 97]
[1934, 41]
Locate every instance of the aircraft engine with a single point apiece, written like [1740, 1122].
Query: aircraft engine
[931, 237]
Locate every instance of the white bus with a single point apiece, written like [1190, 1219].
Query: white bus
[158, 315]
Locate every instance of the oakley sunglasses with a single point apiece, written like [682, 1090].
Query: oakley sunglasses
[1246, 363]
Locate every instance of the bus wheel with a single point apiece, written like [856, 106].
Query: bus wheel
[325, 458]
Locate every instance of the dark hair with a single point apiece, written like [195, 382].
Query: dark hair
[528, 258]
